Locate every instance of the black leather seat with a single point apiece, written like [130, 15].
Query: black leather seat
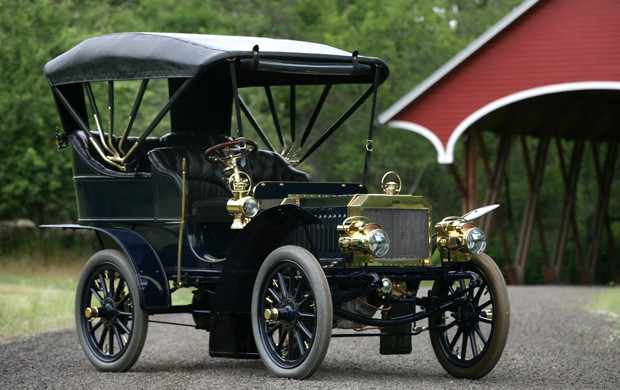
[205, 185]
[270, 166]
[207, 189]
[193, 139]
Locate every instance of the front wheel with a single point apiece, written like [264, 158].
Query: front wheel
[469, 336]
[291, 313]
[111, 326]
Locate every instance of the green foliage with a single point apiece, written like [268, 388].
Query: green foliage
[414, 38]
[25, 180]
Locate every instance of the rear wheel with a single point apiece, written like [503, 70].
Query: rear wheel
[473, 332]
[291, 313]
[111, 326]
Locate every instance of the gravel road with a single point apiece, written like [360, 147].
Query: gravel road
[553, 344]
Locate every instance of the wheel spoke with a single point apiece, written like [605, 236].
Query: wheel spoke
[95, 293]
[272, 329]
[301, 348]
[95, 327]
[275, 295]
[291, 282]
[283, 286]
[305, 330]
[281, 339]
[455, 338]
[306, 316]
[298, 288]
[483, 287]
[486, 320]
[449, 326]
[483, 338]
[111, 278]
[119, 339]
[121, 325]
[103, 286]
[111, 341]
[104, 334]
[464, 345]
[119, 288]
[474, 346]
[303, 301]
[288, 342]
[126, 299]
[484, 305]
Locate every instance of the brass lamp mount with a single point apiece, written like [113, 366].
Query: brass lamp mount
[391, 187]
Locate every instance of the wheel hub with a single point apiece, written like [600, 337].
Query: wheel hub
[107, 312]
[112, 310]
[288, 313]
[466, 314]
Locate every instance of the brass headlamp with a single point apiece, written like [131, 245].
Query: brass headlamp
[360, 234]
[462, 236]
[242, 206]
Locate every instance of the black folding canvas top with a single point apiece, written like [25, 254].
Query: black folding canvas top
[139, 55]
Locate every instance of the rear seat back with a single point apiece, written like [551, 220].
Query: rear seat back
[270, 166]
[137, 163]
[206, 191]
[265, 165]
[204, 179]
[193, 139]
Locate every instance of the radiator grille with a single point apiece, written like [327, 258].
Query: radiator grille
[324, 236]
[407, 229]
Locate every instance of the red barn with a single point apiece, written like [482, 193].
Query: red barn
[550, 70]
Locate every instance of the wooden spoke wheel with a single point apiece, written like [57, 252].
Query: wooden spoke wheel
[111, 326]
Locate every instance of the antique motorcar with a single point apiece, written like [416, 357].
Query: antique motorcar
[181, 197]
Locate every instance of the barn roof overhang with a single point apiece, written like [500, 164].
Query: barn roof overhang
[550, 93]
[584, 110]
[587, 110]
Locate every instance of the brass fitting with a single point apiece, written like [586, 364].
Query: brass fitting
[391, 187]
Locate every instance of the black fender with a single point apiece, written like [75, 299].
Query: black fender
[261, 236]
[231, 325]
[148, 269]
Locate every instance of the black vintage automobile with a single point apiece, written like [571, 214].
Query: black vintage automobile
[178, 198]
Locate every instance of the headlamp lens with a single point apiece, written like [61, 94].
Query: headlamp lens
[250, 207]
[476, 241]
[378, 242]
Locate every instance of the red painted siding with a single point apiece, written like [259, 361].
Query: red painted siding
[556, 41]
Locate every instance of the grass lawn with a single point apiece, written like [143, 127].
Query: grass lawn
[38, 295]
[35, 296]
[607, 302]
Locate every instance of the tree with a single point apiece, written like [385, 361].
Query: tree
[413, 37]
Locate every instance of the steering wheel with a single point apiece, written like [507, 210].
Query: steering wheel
[209, 154]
